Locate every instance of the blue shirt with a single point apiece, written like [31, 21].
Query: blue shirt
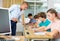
[32, 21]
[45, 23]
[15, 12]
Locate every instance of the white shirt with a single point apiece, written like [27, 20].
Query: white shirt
[15, 12]
[55, 26]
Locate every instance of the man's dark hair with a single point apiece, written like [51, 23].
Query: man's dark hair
[30, 14]
[42, 15]
[36, 17]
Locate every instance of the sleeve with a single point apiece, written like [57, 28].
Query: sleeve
[57, 27]
[21, 12]
[48, 23]
[13, 11]
[12, 7]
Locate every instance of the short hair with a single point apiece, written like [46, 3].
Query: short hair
[42, 15]
[25, 3]
[30, 14]
[53, 11]
[36, 17]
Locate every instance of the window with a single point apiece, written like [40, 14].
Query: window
[57, 5]
[36, 6]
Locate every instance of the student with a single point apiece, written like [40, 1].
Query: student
[30, 16]
[44, 21]
[55, 25]
[32, 21]
[36, 17]
[15, 12]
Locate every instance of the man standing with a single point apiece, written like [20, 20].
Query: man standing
[15, 13]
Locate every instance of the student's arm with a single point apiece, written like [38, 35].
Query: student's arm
[36, 25]
[48, 27]
[41, 28]
[53, 33]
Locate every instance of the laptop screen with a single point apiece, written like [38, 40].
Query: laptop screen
[4, 21]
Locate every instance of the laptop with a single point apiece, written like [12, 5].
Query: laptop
[5, 26]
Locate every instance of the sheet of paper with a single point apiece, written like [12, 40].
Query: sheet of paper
[39, 33]
[15, 38]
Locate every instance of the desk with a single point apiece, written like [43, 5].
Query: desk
[31, 35]
[22, 38]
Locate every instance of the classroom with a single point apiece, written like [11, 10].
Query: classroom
[29, 20]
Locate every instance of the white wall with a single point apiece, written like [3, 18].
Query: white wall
[50, 4]
[0, 3]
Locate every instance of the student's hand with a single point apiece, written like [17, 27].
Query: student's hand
[30, 26]
[41, 28]
[35, 31]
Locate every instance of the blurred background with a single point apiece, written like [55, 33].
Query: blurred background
[35, 6]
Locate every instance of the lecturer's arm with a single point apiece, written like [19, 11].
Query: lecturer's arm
[22, 16]
[14, 19]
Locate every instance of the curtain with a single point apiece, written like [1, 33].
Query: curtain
[8, 3]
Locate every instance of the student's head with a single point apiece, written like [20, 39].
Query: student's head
[42, 16]
[30, 15]
[36, 17]
[52, 14]
[24, 5]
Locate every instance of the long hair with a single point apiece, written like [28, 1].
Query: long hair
[53, 11]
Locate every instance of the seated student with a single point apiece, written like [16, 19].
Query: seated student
[36, 17]
[44, 21]
[55, 25]
[32, 20]
[34, 23]
[30, 16]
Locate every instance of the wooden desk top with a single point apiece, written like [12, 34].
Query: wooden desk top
[31, 35]
[22, 38]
